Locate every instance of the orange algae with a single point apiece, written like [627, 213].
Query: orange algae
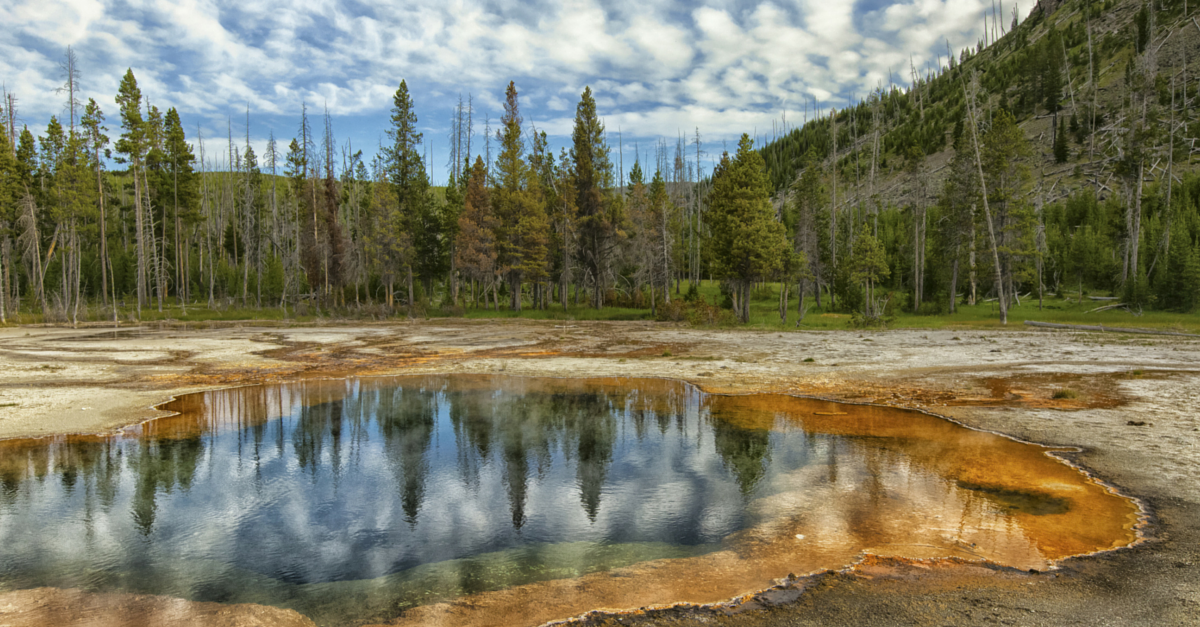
[932, 489]
[905, 484]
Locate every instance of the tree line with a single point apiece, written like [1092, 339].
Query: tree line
[314, 226]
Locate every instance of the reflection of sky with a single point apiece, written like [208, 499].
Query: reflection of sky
[361, 497]
[253, 506]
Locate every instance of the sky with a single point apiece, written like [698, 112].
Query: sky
[659, 68]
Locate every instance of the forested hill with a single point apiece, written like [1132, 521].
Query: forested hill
[1086, 123]
[1037, 70]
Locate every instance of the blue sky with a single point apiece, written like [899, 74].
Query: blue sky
[659, 68]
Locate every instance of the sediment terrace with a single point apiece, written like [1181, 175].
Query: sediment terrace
[55, 381]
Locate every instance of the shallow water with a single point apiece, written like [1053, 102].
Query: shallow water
[497, 500]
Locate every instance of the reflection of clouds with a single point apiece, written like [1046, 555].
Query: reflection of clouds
[322, 492]
[391, 479]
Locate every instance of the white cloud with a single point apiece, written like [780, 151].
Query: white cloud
[656, 65]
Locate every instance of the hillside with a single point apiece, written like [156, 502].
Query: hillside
[1013, 74]
[1091, 204]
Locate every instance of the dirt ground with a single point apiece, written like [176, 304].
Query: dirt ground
[1135, 415]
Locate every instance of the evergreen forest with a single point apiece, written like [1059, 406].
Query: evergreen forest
[1054, 162]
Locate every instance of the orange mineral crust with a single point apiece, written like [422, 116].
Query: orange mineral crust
[879, 482]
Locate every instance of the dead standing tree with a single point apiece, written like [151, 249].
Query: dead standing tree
[971, 94]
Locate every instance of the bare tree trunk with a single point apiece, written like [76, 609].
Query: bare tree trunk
[412, 294]
[3, 279]
[916, 263]
[1135, 235]
[987, 212]
[104, 262]
[783, 301]
[666, 257]
[139, 221]
[799, 303]
[746, 301]
[954, 283]
[833, 209]
[76, 267]
[974, 276]
[116, 321]
[155, 262]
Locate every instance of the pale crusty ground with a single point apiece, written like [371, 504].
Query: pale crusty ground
[55, 380]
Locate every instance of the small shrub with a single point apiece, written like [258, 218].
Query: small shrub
[666, 353]
[766, 292]
[697, 313]
[1065, 394]
[809, 360]
[934, 308]
[674, 311]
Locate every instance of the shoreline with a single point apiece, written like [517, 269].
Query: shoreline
[47, 371]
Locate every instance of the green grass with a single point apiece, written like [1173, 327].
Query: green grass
[556, 312]
[1065, 394]
[764, 315]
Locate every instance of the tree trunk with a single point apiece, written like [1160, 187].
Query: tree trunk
[411, 292]
[139, 221]
[954, 283]
[745, 301]
[783, 301]
[1136, 234]
[974, 276]
[103, 235]
[154, 260]
[3, 280]
[77, 268]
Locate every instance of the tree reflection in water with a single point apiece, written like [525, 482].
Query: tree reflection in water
[352, 500]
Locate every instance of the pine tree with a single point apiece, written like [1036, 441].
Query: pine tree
[664, 223]
[1004, 153]
[807, 215]
[475, 248]
[600, 219]
[747, 243]
[1190, 300]
[178, 158]
[1175, 287]
[456, 192]
[1061, 149]
[93, 131]
[9, 185]
[521, 231]
[133, 145]
[406, 170]
[868, 266]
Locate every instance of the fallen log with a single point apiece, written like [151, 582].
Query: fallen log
[1102, 329]
[1106, 308]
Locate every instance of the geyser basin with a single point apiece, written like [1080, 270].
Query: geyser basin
[473, 500]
